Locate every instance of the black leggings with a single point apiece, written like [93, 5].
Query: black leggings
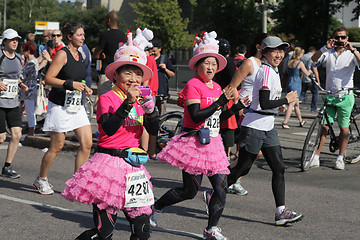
[273, 157]
[191, 185]
[105, 224]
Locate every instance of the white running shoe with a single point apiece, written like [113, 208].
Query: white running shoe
[44, 187]
[154, 217]
[315, 163]
[339, 164]
[213, 233]
[236, 188]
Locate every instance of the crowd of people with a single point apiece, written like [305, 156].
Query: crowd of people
[230, 100]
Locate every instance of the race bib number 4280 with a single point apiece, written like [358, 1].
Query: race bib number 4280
[138, 191]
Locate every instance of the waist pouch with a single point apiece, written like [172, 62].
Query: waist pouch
[204, 134]
[134, 156]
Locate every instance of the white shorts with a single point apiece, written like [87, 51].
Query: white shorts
[59, 120]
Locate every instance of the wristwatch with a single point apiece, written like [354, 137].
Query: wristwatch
[354, 49]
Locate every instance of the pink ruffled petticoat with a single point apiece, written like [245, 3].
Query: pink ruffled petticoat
[189, 155]
[102, 181]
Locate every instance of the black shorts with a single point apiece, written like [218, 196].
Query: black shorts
[228, 137]
[11, 116]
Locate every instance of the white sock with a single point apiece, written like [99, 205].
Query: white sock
[316, 158]
[340, 158]
[280, 209]
[43, 179]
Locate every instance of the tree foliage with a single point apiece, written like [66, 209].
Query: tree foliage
[237, 21]
[164, 19]
[309, 21]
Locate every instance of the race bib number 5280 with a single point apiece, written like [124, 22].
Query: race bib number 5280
[138, 191]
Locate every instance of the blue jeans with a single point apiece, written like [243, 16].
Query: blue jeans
[315, 94]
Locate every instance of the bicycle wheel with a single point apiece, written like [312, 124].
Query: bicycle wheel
[89, 108]
[170, 125]
[311, 143]
[352, 153]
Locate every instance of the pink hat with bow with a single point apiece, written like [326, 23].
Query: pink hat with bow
[132, 52]
[207, 46]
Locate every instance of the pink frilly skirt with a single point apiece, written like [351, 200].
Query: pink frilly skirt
[194, 158]
[102, 181]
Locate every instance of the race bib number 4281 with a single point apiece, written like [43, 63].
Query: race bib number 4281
[138, 191]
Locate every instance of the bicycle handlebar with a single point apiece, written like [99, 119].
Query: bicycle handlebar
[356, 90]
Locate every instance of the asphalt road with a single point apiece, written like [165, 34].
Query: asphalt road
[329, 200]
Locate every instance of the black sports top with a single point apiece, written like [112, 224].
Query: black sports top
[75, 70]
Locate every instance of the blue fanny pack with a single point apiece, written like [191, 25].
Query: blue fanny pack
[136, 156]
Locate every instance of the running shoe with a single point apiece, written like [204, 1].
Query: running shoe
[236, 188]
[339, 164]
[9, 172]
[287, 216]
[315, 163]
[154, 217]
[43, 186]
[206, 196]
[213, 233]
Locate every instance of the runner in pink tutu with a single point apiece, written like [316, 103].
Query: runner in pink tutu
[114, 178]
[199, 149]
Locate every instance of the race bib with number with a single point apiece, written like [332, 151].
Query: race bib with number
[213, 123]
[138, 192]
[12, 89]
[72, 101]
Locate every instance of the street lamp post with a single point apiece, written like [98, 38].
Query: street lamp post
[264, 16]
[4, 14]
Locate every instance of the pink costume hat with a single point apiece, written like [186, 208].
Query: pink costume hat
[132, 52]
[207, 46]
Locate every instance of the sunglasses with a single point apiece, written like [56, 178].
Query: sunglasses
[340, 37]
[56, 35]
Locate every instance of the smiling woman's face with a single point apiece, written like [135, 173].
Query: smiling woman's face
[274, 56]
[128, 75]
[207, 68]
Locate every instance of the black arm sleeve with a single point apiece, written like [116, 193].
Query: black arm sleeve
[112, 122]
[152, 125]
[198, 115]
[266, 103]
[234, 109]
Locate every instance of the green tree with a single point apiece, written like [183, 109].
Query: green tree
[237, 21]
[164, 19]
[310, 21]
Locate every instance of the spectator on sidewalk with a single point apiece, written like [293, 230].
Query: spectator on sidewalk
[240, 55]
[307, 83]
[57, 40]
[341, 59]
[105, 50]
[165, 72]
[10, 68]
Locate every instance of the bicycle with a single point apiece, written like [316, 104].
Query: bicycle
[312, 140]
[171, 124]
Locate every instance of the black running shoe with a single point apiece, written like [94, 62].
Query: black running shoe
[9, 172]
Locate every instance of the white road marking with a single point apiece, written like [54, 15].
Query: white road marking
[89, 215]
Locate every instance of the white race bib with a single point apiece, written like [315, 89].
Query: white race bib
[213, 123]
[72, 101]
[12, 88]
[138, 192]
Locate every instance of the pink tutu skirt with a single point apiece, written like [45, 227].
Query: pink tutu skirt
[189, 155]
[102, 181]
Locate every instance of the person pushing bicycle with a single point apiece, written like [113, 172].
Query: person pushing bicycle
[341, 58]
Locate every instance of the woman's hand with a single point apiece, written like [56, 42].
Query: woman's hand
[24, 88]
[282, 109]
[291, 96]
[229, 92]
[133, 93]
[79, 86]
[245, 101]
[88, 91]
